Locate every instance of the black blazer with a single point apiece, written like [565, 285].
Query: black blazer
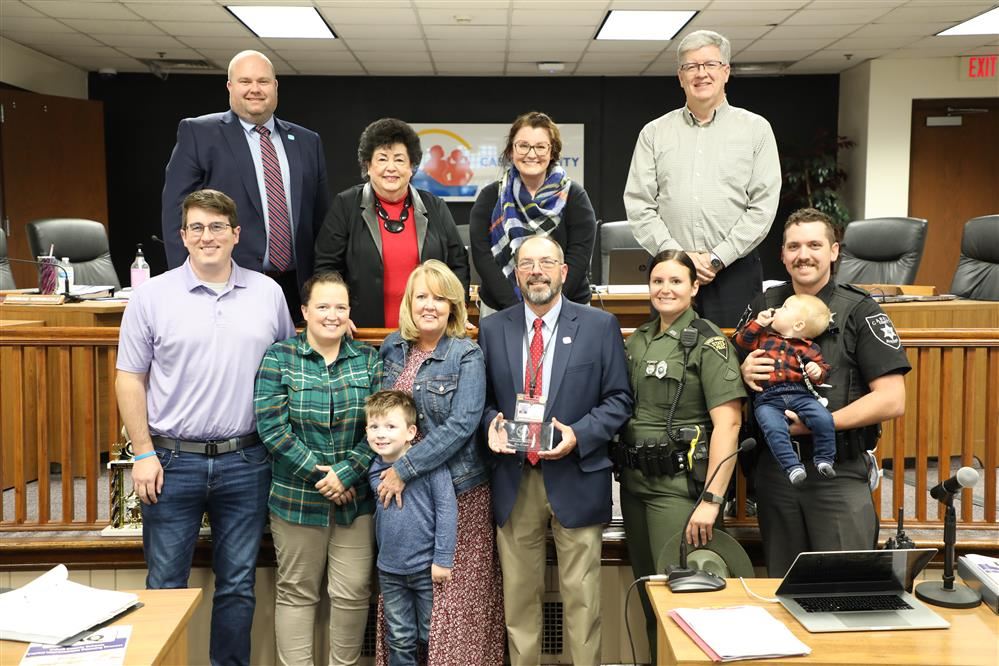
[575, 235]
[350, 242]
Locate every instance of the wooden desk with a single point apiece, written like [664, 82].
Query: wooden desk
[159, 630]
[14, 323]
[87, 313]
[971, 640]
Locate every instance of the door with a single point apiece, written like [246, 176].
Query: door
[52, 151]
[953, 177]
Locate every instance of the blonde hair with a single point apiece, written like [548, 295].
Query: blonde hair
[812, 311]
[441, 281]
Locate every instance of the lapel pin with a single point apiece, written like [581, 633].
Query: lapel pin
[291, 137]
[566, 340]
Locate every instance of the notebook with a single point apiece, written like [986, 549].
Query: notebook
[627, 267]
[858, 590]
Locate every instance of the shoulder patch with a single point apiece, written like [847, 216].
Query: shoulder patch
[884, 330]
[719, 345]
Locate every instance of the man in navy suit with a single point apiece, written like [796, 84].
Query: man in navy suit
[274, 170]
[576, 368]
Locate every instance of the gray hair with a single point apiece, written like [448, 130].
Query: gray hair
[244, 54]
[701, 38]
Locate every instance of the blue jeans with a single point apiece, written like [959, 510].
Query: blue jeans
[769, 410]
[233, 489]
[408, 601]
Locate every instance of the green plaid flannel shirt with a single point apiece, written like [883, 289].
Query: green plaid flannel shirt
[292, 399]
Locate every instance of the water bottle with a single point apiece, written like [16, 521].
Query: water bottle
[140, 269]
[65, 277]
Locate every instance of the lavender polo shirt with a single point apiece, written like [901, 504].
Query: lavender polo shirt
[200, 350]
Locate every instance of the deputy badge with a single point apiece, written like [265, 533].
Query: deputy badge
[884, 330]
[719, 345]
[660, 369]
[650, 368]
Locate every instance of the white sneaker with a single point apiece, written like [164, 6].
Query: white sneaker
[797, 476]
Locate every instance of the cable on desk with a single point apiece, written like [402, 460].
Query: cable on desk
[769, 600]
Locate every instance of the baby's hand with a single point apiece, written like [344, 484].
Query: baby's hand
[813, 371]
[765, 317]
[439, 574]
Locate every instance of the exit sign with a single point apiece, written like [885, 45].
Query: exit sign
[977, 68]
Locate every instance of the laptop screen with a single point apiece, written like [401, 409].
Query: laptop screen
[855, 571]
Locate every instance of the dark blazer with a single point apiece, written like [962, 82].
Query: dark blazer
[575, 234]
[350, 242]
[589, 392]
[211, 153]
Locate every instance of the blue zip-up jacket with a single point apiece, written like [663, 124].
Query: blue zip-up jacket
[450, 394]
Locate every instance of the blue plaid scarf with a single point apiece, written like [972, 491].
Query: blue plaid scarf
[517, 216]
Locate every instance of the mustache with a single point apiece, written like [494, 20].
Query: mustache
[804, 262]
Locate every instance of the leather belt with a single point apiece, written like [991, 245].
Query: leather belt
[208, 448]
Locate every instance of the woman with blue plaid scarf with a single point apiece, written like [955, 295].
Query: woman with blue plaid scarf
[534, 196]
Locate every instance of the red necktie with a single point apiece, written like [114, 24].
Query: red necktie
[535, 372]
[278, 221]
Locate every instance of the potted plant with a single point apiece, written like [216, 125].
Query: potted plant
[812, 177]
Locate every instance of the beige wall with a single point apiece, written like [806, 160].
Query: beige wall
[31, 70]
[875, 109]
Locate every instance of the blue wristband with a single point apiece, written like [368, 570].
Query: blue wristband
[143, 456]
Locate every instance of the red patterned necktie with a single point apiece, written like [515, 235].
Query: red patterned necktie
[535, 372]
[278, 221]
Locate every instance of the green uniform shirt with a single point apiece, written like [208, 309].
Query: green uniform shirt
[655, 366]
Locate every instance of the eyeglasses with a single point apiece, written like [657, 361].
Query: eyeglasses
[709, 66]
[547, 264]
[217, 228]
[523, 148]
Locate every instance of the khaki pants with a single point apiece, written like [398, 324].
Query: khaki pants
[521, 546]
[304, 553]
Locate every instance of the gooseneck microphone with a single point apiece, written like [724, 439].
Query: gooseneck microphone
[69, 297]
[680, 577]
[966, 477]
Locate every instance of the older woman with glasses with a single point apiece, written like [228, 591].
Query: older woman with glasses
[534, 196]
[377, 232]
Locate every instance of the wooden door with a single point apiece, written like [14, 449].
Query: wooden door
[953, 177]
[52, 151]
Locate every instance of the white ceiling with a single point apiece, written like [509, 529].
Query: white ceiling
[494, 37]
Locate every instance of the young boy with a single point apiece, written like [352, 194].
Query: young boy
[789, 344]
[416, 536]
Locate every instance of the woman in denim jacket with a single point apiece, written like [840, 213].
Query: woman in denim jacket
[430, 358]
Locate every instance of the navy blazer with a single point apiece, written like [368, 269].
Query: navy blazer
[589, 391]
[212, 153]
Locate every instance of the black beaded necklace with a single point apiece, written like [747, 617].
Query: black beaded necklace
[393, 226]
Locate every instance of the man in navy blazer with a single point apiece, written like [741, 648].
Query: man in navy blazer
[580, 372]
[223, 151]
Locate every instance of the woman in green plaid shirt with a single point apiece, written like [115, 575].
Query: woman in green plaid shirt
[309, 401]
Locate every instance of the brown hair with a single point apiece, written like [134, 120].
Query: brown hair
[803, 215]
[322, 277]
[383, 402]
[441, 281]
[680, 257]
[534, 119]
[213, 200]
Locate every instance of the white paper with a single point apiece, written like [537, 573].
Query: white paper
[988, 568]
[104, 647]
[742, 632]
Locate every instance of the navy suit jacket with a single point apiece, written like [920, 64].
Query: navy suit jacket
[589, 391]
[212, 153]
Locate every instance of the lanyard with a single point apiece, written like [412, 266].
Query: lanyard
[539, 368]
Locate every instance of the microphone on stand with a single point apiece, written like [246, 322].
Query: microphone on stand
[944, 592]
[65, 283]
[680, 577]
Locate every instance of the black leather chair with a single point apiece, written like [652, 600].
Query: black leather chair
[6, 277]
[977, 274]
[85, 242]
[882, 250]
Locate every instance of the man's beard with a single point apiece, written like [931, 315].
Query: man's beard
[542, 297]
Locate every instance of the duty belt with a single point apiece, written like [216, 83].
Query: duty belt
[660, 457]
[208, 448]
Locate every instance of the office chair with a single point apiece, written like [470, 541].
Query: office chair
[977, 274]
[85, 242]
[6, 277]
[882, 250]
[613, 236]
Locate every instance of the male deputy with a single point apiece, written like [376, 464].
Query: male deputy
[274, 170]
[190, 343]
[570, 359]
[867, 387]
[706, 179]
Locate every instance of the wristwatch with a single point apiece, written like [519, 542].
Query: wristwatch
[711, 498]
[716, 262]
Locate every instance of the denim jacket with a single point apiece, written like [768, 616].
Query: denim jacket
[450, 393]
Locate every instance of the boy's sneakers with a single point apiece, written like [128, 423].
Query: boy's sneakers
[797, 476]
[825, 469]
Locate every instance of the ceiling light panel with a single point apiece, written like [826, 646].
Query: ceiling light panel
[283, 22]
[644, 25]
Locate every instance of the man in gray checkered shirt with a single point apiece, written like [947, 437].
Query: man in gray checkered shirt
[706, 179]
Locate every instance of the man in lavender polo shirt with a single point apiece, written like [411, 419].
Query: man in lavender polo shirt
[190, 343]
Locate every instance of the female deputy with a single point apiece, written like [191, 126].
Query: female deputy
[430, 358]
[309, 400]
[686, 380]
[377, 232]
[534, 197]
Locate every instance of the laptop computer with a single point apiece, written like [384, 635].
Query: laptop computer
[858, 590]
[627, 266]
